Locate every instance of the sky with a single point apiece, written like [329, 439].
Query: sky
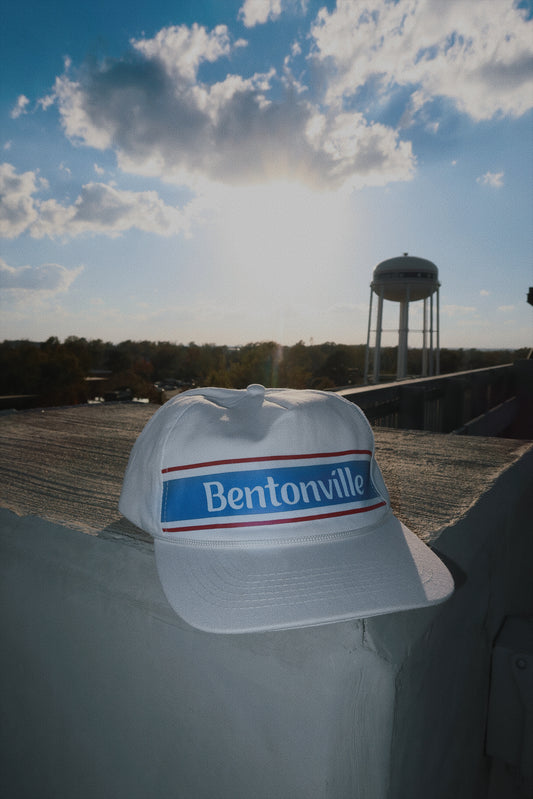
[232, 172]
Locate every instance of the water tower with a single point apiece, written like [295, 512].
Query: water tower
[405, 279]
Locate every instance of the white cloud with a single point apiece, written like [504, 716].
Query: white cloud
[99, 209]
[494, 179]
[17, 208]
[161, 120]
[20, 107]
[506, 308]
[257, 12]
[369, 154]
[458, 310]
[75, 119]
[46, 102]
[181, 50]
[103, 209]
[484, 293]
[46, 279]
[479, 55]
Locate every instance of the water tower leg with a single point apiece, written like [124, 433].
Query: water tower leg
[425, 340]
[431, 350]
[367, 351]
[402, 339]
[437, 361]
[377, 350]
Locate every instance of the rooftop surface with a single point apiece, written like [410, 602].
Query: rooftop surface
[66, 465]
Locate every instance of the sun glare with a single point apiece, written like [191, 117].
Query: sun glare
[282, 235]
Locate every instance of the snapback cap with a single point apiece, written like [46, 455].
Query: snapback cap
[269, 511]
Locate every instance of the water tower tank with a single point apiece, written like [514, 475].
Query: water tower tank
[405, 278]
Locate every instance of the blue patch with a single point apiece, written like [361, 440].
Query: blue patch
[262, 492]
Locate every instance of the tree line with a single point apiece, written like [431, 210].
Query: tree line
[77, 370]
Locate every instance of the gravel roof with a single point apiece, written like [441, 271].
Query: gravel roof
[66, 465]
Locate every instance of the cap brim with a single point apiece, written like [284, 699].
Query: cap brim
[258, 588]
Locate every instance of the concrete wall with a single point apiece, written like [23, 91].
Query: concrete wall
[107, 693]
[442, 685]
[485, 402]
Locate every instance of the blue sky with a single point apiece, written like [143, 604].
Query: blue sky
[230, 172]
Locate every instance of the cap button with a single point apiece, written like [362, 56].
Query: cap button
[256, 390]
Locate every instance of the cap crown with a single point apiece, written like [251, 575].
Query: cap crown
[255, 465]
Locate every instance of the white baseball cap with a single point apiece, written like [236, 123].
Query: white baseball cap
[269, 511]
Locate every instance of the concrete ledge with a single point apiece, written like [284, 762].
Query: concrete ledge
[107, 693]
[494, 422]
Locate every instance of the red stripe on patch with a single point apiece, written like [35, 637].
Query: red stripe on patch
[230, 525]
[265, 459]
